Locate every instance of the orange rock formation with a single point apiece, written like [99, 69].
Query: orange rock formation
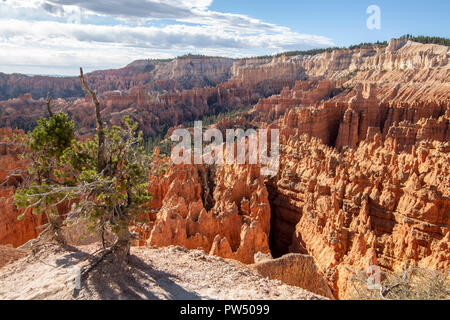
[365, 206]
[12, 231]
[365, 159]
[224, 212]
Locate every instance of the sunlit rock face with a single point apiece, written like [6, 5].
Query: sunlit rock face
[369, 205]
[224, 211]
[12, 231]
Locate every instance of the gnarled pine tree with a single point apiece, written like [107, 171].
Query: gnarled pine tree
[106, 178]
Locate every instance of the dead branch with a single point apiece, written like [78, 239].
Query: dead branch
[101, 161]
[105, 253]
[384, 292]
[49, 101]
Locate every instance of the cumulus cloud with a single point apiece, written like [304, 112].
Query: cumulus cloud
[194, 28]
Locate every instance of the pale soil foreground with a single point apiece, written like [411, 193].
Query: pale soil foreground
[8, 254]
[168, 273]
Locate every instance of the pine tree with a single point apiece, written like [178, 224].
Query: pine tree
[44, 146]
[106, 177]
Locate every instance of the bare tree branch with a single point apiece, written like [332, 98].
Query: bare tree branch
[101, 134]
[49, 108]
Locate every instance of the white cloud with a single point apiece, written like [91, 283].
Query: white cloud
[44, 38]
[132, 9]
[175, 36]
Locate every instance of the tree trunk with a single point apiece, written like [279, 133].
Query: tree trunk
[56, 222]
[122, 245]
[49, 108]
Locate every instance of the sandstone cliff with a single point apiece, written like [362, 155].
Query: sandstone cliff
[352, 115]
[224, 212]
[365, 206]
[12, 231]
[156, 75]
[154, 112]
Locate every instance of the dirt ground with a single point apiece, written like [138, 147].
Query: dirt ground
[153, 274]
[9, 254]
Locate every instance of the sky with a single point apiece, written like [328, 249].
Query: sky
[56, 37]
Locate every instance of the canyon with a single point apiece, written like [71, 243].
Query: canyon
[364, 174]
[186, 72]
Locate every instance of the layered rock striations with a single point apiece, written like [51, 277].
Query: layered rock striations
[155, 75]
[411, 82]
[369, 206]
[401, 58]
[346, 119]
[154, 112]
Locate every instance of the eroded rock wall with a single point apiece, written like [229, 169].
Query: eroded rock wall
[365, 206]
[12, 231]
[224, 212]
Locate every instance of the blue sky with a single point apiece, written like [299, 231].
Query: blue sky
[58, 36]
[344, 21]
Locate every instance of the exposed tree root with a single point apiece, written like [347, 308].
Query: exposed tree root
[116, 249]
